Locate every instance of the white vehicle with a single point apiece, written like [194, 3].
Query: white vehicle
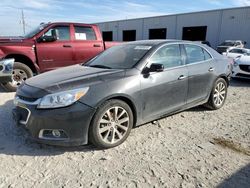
[241, 67]
[223, 47]
[236, 52]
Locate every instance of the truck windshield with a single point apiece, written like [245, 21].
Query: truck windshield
[34, 31]
[123, 56]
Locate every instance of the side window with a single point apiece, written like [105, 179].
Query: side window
[169, 56]
[84, 33]
[238, 51]
[195, 54]
[207, 55]
[62, 32]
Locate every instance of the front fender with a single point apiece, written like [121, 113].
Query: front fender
[2, 54]
[6, 68]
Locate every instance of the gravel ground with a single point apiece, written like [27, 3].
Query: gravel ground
[195, 148]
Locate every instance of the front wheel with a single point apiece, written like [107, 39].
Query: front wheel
[20, 73]
[111, 124]
[218, 95]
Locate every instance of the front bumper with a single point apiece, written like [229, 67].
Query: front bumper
[239, 73]
[72, 122]
[6, 68]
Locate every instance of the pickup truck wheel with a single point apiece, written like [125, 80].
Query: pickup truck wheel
[21, 72]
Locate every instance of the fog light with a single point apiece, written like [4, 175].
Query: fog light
[52, 134]
[56, 133]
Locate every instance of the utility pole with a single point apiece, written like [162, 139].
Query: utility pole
[23, 22]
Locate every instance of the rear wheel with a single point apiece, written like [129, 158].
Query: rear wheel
[218, 95]
[111, 124]
[21, 72]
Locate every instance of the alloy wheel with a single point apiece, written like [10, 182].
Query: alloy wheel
[219, 94]
[113, 125]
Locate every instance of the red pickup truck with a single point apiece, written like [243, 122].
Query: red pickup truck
[50, 46]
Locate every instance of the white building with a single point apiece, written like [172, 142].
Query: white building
[214, 26]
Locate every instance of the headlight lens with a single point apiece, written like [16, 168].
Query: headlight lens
[235, 64]
[62, 99]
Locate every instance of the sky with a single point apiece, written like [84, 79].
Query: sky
[94, 11]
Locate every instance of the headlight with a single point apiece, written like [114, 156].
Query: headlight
[62, 99]
[235, 64]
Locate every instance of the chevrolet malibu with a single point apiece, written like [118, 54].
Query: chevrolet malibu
[123, 87]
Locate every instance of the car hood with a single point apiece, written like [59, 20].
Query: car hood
[243, 60]
[73, 77]
[11, 39]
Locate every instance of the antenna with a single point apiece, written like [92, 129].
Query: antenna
[23, 21]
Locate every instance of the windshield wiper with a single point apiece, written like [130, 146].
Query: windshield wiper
[100, 66]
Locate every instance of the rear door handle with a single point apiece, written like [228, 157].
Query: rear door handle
[97, 45]
[211, 69]
[67, 46]
[181, 77]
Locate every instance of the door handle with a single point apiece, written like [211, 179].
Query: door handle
[97, 45]
[211, 69]
[67, 46]
[181, 77]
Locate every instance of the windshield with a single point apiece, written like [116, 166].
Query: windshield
[227, 44]
[35, 31]
[120, 57]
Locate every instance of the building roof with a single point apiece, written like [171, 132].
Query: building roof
[235, 8]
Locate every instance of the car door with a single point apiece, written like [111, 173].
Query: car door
[86, 45]
[59, 53]
[164, 92]
[200, 67]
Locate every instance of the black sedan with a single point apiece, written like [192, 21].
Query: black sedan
[123, 87]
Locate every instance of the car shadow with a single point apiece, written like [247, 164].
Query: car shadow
[240, 179]
[2, 90]
[16, 141]
[237, 82]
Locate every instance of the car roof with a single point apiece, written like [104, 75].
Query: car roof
[154, 42]
[239, 48]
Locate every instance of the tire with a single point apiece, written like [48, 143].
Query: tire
[21, 72]
[105, 130]
[218, 95]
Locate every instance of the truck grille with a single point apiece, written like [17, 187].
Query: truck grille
[245, 68]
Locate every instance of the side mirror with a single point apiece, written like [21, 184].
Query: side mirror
[47, 39]
[156, 67]
[244, 42]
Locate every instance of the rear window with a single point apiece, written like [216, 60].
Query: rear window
[84, 33]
